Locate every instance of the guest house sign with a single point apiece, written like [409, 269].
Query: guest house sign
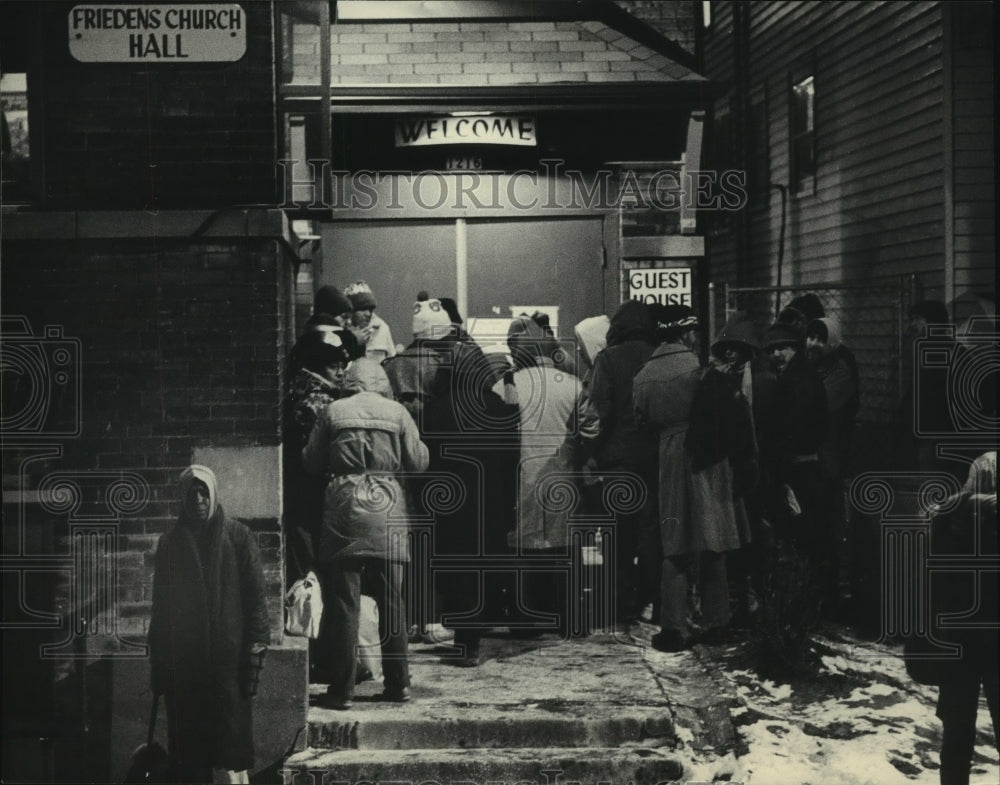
[477, 129]
[663, 285]
[201, 33]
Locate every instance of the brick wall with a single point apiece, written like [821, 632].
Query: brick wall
[675, 19]
[156, 135]
[480, 53]
[181, 345]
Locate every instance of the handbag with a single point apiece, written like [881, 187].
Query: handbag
[149, 762]
[304, 607]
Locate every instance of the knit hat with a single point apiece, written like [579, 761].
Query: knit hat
[451, 308]
[741, 335]
[430, 320]
[330, 300]
[632, 320]
[802, 309]
[672, 321]
[360, 295]
[782, 334]
[523, 327]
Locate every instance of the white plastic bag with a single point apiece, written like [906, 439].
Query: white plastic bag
[304, 607]
[369, 645]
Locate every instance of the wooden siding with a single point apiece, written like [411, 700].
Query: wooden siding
[877, 209]
[973, 150]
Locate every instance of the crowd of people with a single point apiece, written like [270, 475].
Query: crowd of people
[732, 458]
[726, 456]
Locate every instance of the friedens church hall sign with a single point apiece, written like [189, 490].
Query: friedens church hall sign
[200, 33]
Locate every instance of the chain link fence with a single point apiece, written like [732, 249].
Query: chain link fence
[872, 319]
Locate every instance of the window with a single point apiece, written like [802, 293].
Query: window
[17, 25]
[802, 134]
[14, 140]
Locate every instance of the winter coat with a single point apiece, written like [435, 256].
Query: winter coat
[964, 529]
[839, 372]
[362, 443]
[621, 442]
[798, 420]
[309, 394]
[206, 615]
[471, 435]
[381, 346]
[721, 429]
[663, 392]
[547, 400]
[413, 371]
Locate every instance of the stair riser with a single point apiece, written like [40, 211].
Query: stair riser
[498, 734]
[496, 772]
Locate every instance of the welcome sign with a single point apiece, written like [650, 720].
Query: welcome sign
[480, 129]
[202, 33]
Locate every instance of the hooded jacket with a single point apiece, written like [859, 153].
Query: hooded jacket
[620, 441]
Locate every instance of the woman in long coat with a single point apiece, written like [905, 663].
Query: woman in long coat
[663, 391]
[207, 634]
[547, 401]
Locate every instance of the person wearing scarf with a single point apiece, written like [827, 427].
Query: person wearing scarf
[208, 634]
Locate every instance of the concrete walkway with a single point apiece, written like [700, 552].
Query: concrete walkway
[602, 708]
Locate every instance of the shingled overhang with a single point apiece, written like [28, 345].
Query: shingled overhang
[391, 56]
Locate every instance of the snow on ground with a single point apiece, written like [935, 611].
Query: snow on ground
[861, 721]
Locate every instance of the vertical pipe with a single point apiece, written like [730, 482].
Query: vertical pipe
[462, 266]
[711, 311]
[948, 140]
[325, 121]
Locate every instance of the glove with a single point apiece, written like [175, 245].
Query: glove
[252, 666]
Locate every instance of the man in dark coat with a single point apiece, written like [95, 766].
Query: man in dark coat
[797, 426]
[208, 634]
[472, 437]
[362, 443]
[622, 447]
[838, 369]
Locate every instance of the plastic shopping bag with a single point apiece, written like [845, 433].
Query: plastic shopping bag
[304, 607]
[369, 646]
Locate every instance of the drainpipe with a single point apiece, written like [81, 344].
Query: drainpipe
[462, 266]
[781, 244]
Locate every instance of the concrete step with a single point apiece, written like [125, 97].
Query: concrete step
[524, 728]
[603, 709]
[592, 692]
[543, 766]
